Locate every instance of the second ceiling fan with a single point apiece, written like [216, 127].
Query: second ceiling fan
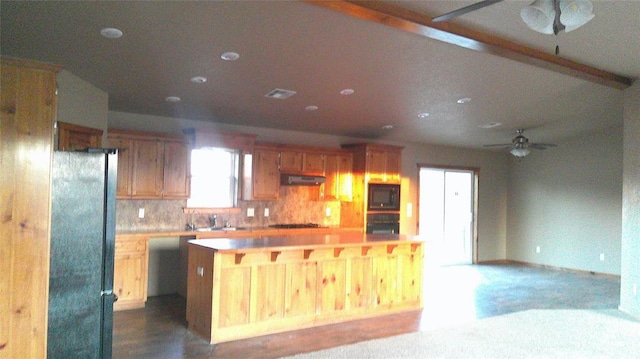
[520, 145]
[544, 16]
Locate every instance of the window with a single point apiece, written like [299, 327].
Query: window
[214, 178]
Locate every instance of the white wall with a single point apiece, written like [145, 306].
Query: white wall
[630, 277]
[493, 170]
[567, 200]
[81, 103]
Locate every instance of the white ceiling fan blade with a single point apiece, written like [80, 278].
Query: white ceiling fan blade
[464, 10]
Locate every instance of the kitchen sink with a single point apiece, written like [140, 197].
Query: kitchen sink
[220, 229]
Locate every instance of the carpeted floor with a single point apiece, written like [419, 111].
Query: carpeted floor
[528, 334]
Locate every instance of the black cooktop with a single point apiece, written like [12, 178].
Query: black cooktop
[295, 225]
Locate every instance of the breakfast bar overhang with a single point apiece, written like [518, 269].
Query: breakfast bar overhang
[241, 288]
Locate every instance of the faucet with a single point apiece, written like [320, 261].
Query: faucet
[213, 221]
[191, 225]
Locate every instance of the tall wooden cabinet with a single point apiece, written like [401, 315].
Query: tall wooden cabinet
[27, 114]
[130, 275]
[372, 163]
[151, 165]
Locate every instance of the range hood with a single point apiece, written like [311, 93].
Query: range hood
[301, 180]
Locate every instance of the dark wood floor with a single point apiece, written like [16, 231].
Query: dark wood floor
[453, 295]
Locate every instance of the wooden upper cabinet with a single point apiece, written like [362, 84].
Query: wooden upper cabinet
[313, 163]
[291, 161]
[383, 164]
[176, 179]
[73, 137]
[125, 149]
[266, 176]
[376, 164]
[151, 165]
[393, 166]
[337, 172]
[147, 168]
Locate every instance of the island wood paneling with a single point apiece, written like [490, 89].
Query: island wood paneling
[28, 109]
[257, 291]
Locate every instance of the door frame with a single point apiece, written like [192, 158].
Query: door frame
[476, 175]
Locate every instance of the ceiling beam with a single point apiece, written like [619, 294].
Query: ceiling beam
[421, 24]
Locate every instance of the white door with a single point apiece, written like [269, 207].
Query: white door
[446, 214]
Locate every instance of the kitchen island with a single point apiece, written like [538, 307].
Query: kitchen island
[241, 288]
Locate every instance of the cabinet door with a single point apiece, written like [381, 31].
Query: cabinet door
[266, 177]
[73, 137]
[385, 276]
[147, 169]
[345, 178]
[361, 283]
[410, 277]
[376, 165]
[300, 289]
[270, 289]
[125, 149]
[235, 303]
[176, 177]
[332, 285]
[329, 190]
[392, 166]
[291, 161]
[130, 273]
[313, 163]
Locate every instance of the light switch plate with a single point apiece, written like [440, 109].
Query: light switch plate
[140, 212]
[250, 212]
[266, 212]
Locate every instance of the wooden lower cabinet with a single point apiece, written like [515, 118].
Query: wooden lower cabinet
[130, 272]
[238, 294]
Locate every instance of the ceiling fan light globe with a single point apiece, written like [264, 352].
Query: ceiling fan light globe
[575, 13]
[520, 151]
[539, 16]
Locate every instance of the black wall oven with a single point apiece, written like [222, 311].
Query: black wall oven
[383, 223]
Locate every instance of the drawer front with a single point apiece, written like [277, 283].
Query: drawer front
[134, 246]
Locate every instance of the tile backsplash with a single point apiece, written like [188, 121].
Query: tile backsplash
[293, 206]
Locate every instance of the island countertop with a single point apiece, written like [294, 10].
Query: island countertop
[289, 242]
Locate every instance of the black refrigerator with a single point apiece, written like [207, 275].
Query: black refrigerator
[83, 206]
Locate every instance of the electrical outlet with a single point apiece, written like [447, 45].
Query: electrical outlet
[266, 212]
[200, 271]
[250, 212]
[140, 212]
[538, 249]
[602, 257]
[409, 210]
[327, 211]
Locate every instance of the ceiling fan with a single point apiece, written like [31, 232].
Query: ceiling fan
[545, 16]
[520, 145]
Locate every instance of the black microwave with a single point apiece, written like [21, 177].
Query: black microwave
[384, 197]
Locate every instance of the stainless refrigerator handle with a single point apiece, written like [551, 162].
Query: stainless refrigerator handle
[109, 292]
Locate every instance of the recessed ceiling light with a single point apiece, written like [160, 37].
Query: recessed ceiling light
[173, 99]
[464, 100]
[311, 108]
[387, 127]
[230, 56]
[491, 125]
[423, 115]
[347, 92]
[198, 79]
[111, 33]
[280, 94]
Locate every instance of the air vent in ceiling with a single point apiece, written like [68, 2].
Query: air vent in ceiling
[280, 94]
